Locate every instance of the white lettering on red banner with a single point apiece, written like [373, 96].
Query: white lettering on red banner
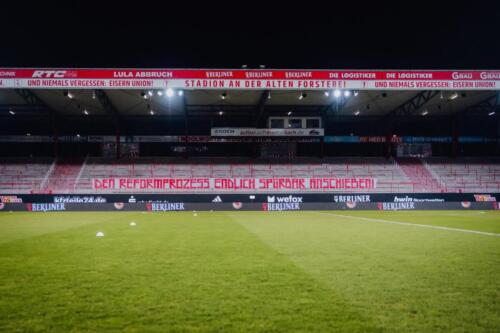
[247, 79]
[225, 184]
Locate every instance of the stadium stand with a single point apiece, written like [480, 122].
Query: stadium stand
[21, 175]
[467, 174]
[389, 176]
[422, 179]
[64, 176]
[401, 175]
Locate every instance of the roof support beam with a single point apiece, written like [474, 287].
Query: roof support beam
[185, 113]
[333, 108]
[110, 110]
[38, 105]
[264, 97]
[490, 104]
[34, 102]
[250, 110]
[412, 105]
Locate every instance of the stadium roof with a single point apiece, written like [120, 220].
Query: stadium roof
[131, 102]
[136, 92]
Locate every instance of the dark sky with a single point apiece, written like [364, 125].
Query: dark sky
[348, 34]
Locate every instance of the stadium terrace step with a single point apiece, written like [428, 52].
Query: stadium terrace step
[405, 176]
[23, 175]
[467, 174]
[64, 176]
[419, 176]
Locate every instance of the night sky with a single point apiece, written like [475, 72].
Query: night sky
[380, 35]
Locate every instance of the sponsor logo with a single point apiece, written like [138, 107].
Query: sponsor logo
[298, 75]
[466, 204]
[395, 205]
[258, 75]
[46, 207]
[219, 75]
[410, 199]
[280, 206]
[406, 75]
[2, 205]
[490, 76]
[165, 207]
[224, 131]
[365, 76]
[143, 74]
[49, 74]
[252, 197]
[314, 132]
[237, 205]
[217, 199]
[10, 199]
[7, 74]
[351, 205]
[351, 198]
[484, 198]
[132, 199]
[119, 205]
[288, 199]
[277, 203]
[263, 132]
[461, 76]
[79, 199]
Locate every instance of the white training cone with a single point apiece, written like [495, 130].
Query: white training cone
[99, 234]
[132, 224]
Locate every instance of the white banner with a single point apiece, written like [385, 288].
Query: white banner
[207, 84]
[233, 131]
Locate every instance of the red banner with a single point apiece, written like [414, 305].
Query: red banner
[247, 79]
[231, 184]
[25, 73]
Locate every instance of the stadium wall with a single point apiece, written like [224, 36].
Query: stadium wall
[155, 149]
[235, 206]
[218, 198]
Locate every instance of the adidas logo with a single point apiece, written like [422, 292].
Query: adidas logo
[217, 199]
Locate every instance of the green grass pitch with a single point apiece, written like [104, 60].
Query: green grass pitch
[250, 272]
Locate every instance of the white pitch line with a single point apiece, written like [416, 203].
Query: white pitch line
[411, 224]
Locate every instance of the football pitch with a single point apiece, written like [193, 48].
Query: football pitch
[423, 271]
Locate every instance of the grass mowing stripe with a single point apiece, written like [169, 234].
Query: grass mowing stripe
[349, 313]
[409, 224]
[22, 225]
[173, 272]
[404, 281]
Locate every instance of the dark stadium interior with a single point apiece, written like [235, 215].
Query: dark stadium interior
[370, 113]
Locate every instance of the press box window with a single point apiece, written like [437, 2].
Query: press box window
[277, 123]
[295, 123]
[312, 123]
